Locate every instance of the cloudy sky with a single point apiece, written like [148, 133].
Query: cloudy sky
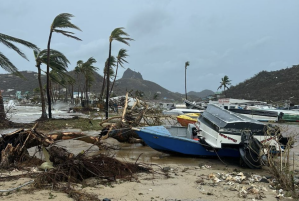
[236, 38]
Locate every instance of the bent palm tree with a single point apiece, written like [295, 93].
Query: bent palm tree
[119, 35]
[225, 81]
[57, 61]
[61, 21]
[7, 65]
[112, 63]
[186, 65]
[122, 54]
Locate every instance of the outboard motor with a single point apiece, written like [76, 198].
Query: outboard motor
[250, 149]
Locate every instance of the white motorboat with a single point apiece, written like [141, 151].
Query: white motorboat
[219, 128]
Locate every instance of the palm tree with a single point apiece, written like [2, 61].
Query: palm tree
[58, 78]
[78, 71]
[225, 81]
[57, 61]
[111, 72]
[122, 54]
[186, 64]
[61, 21]
[119, 35]
[6, 64]
[88, 71]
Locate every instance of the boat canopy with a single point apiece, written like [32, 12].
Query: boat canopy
[225, 119]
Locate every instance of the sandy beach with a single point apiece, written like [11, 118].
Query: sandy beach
[182, 182]
[172, 178]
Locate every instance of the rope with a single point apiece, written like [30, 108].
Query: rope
[219, 158]
[12, 189]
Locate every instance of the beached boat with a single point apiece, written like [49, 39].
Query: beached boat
[220, 128]
[186, 119]
[181, 111]
[195, 105]
[179, 140]
[259, 115]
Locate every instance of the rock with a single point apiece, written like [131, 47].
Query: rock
[254, 190]
[256, 177]
[264, 180]
[166, 169]
[232, 189]
[245, 182]
[216, 180]
[106, 199]
[240, 174]
[229, 178]
[185, 169]
[199, 181]
[209, 193]
[212, 176]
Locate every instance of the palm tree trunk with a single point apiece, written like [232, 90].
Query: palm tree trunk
[42, 97]
[186, 81]
[78, 84]
[72, 93]
[48, 76]
[103, 87]
[114, 78]
[66, 94]
[86, 90]
[2, 111]
[107, 92]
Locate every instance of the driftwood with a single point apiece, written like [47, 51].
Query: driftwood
[13, 146]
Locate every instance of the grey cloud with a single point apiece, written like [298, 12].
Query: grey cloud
[149, 22]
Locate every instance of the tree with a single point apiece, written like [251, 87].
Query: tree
[119, 35]
[61, 21]
[88, 71]
[7, 65]
[78, 71]
[111, 72]
[225, 82]
[122, 54]
[57, 61]
[186, 64]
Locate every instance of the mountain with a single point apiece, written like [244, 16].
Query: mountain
[132, 80]
[12, 83]
[132, 74]
[201, 94]
[275, 86]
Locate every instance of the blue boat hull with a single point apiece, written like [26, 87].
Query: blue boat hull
[160, 139]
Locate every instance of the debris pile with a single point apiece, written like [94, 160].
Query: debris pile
[140, 114]
[244, 184]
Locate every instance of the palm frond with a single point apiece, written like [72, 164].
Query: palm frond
[56, 59]
[118, 34]
[187, 64]
[6, 64]
[122, 54]
[5, 37]
[63, 21]
[67, 33]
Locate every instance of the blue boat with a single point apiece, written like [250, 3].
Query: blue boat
[180, 140]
